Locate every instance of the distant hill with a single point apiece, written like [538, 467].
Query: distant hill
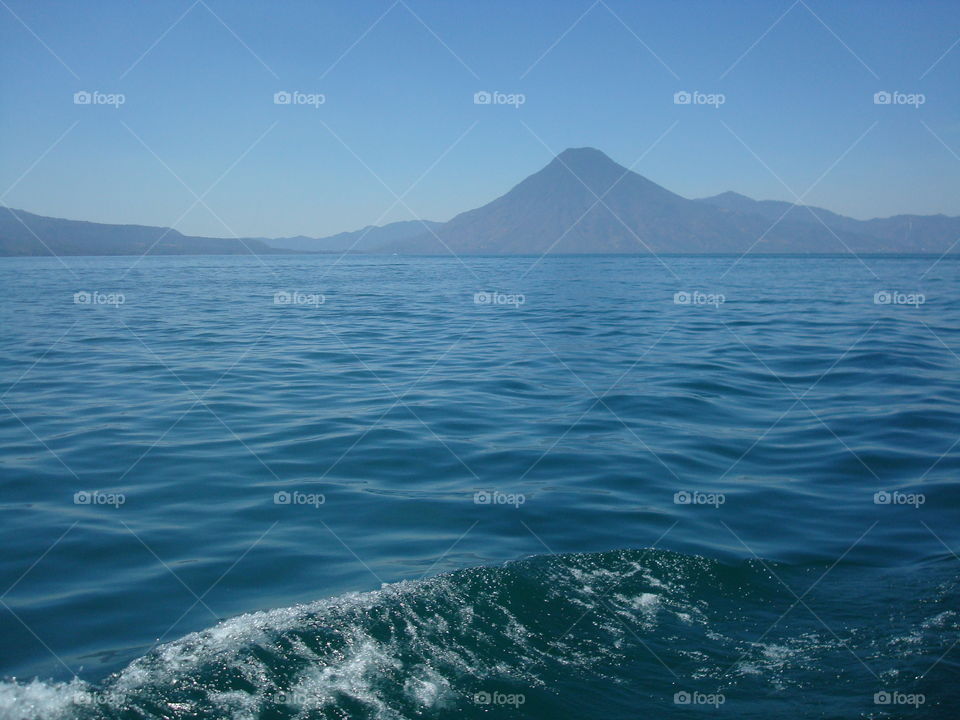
[771, 210]
[581, 202]
[23, 233]
[900, 233]
[557, 210]
[370, 239]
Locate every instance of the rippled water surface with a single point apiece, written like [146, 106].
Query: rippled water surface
[600, 502]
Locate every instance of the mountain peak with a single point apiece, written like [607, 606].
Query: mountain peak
[584, 155]
[730, 195]
[584, 165]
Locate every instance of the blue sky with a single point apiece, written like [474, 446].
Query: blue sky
[398, 80]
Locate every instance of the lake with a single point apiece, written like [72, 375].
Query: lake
[396, 487]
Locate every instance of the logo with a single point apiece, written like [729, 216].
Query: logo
[885, 697]
[698, 698]
[498, 98]
[495, 497]
[84, 97]
[682, 97]
[98, 298]
[298, 98]
[498, 298]
[295, 297]
[498, 698]
[892, 297]
[295, 497]
[292, 697]
[898, 498]
[95, 497]
[898, 98]
[89, 698]
[694, 497]
[699, 298]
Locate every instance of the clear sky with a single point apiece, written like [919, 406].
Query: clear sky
[398, 80]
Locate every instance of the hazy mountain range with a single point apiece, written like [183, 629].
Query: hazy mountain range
[581, 202]
[23, 233]
[370, 239]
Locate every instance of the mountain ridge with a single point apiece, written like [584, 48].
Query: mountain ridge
[366, 239]
[581, 201]
[584, 202]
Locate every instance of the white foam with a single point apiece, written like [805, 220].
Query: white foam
[355, 676]
[361, 666]
[428, 688]
[236, 705]
[38, 699]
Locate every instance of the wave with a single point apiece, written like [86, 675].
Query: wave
[581, 635]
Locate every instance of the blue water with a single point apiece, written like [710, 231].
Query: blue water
[399, 503]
